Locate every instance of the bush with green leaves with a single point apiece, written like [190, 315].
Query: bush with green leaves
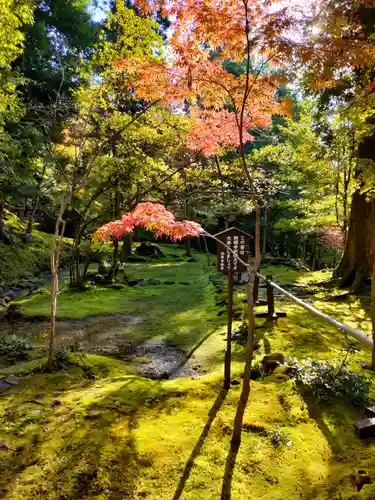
[327, 381]
[13, 348]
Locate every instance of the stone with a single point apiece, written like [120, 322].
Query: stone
[15, 312]
[235, 382]
[133, 282]
[117, 286]
[153, 282]
[12, 380]
[272, 361]
[149, 250]
[365, 428]
[237, 336]
[4, 386]
[11, 294]
[92, 414]
[370, 411]
[282, 370]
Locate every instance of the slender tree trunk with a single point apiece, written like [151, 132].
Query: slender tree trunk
[29, 230]
[244, 397]
[115, 257]
[115, 260]
[30, 222]
[3, 236]
[264, 242]
[126, 249]
[187, 240]
[55, 265]
[207, 251]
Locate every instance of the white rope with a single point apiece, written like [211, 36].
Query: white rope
[353, 332]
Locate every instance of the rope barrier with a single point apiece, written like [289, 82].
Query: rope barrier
[353, 332]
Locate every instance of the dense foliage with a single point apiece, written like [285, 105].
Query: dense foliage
[210, 121]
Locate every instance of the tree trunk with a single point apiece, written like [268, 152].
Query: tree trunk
[29, 230]
[373, 317]
[187, 247]
[264, 242]
[187, 239]
[55, 265]
[3, 236]
[115, 258]
[30, 222]
[126, 248]
[242, 403]
[359, 255]
[358, 258]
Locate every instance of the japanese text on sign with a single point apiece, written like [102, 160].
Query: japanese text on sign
[239, 243]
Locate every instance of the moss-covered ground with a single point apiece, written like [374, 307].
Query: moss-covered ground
[98, 430]
[22, 261]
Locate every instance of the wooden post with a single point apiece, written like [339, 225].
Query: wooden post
[228, 352]
[256, 289]
[270, 299]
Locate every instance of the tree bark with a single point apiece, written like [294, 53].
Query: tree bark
[55, 265]
[126, 249]
[358, 258]
[373, 317]
[242, 403]
[264, 242]
[359, 255]
[4, 238]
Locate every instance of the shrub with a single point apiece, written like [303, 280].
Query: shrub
[327, 381]
[13, 348]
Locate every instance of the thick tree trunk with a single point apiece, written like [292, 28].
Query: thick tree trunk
[358, 258]
[373, 317]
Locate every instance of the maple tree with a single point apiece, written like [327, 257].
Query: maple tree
[191, 77]
[153, 217]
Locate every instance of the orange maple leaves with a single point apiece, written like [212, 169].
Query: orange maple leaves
[151, 216]
[191, 76]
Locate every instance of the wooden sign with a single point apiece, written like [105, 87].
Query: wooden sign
[239, 242]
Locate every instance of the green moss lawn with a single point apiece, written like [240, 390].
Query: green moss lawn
[98, 430]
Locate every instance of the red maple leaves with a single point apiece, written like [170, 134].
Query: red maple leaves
[192, 77]
[151, 216]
